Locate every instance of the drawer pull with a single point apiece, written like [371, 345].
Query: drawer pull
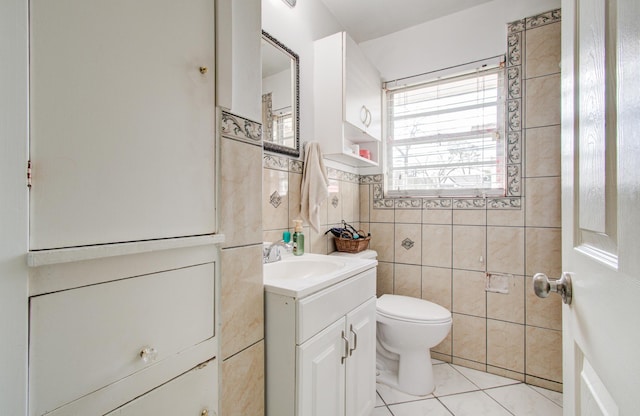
[148, 354]
[205, 412]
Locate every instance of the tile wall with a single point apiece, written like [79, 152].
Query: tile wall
[282, 179]
[242, 314]
[443, 249]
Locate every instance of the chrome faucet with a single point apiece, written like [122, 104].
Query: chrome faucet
[268, 255]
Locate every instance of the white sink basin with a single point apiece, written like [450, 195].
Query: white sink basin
[299, 276]
[301, 267]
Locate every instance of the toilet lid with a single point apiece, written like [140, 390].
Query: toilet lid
[411, 309]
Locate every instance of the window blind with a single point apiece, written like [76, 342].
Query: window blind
[446, 137]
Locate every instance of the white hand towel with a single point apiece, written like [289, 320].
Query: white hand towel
[315, 185]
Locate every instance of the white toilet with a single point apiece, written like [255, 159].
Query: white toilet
[407, 328]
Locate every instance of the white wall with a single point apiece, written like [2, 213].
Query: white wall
[298, 28]
[14, 36]
[238, 75]
[466, 36]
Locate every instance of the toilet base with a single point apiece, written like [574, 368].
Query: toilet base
[412, 375]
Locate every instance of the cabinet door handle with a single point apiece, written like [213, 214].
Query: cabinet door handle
[355, 340]
[367, 121]
[364, 113]
[346, 348]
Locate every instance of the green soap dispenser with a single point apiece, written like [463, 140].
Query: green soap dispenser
[298, 239]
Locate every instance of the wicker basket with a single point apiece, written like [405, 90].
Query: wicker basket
[348, 245]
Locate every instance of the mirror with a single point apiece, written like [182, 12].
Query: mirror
[280, 97]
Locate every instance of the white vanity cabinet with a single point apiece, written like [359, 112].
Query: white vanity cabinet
[348, 101]
[321, 350]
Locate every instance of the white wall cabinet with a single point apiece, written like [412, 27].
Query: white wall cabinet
[348, 101]
[122, 121]
[321, 350]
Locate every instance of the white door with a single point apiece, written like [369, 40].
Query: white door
[601, 205]
[321, 372]
[361, 365]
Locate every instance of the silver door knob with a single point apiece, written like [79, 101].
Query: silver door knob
[542, 286]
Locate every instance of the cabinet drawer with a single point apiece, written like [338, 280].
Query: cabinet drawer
[317, 311]
[87, 338]
[194, 393]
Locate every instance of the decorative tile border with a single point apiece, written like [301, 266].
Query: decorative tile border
[240, 128]
[514, 147]
[470, 203]
[371, 179]
[437, 203]
[505, 203]
[542, 19]
[514, 82]
[378, 191]
[275, 162]
[295, 165]
[341, 175]
[408, 203]
[380, 202]
[515, 123]
[383, 203]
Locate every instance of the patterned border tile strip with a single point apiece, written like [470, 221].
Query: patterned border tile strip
[295, 166]
[275, 162]
[437, 203]
[504, 203]
[370, 179]
[552, 16]
[514, 147]
[517, 26]
[342, 175]
[383, 203]
[409, 203]
[240, 128]
[514, 82]
[515, 59]
[470, 203]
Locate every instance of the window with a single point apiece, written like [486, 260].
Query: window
[446, 137]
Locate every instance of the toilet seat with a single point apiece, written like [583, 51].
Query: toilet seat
[408, 309]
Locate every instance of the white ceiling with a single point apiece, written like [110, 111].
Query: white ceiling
[370, 19]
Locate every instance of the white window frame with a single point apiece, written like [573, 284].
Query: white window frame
[498, 181]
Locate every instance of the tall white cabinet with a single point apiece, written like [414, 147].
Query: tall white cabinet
[347, 100]
[321, 350]
[124, 258]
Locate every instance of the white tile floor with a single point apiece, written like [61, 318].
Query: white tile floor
[461, 391]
